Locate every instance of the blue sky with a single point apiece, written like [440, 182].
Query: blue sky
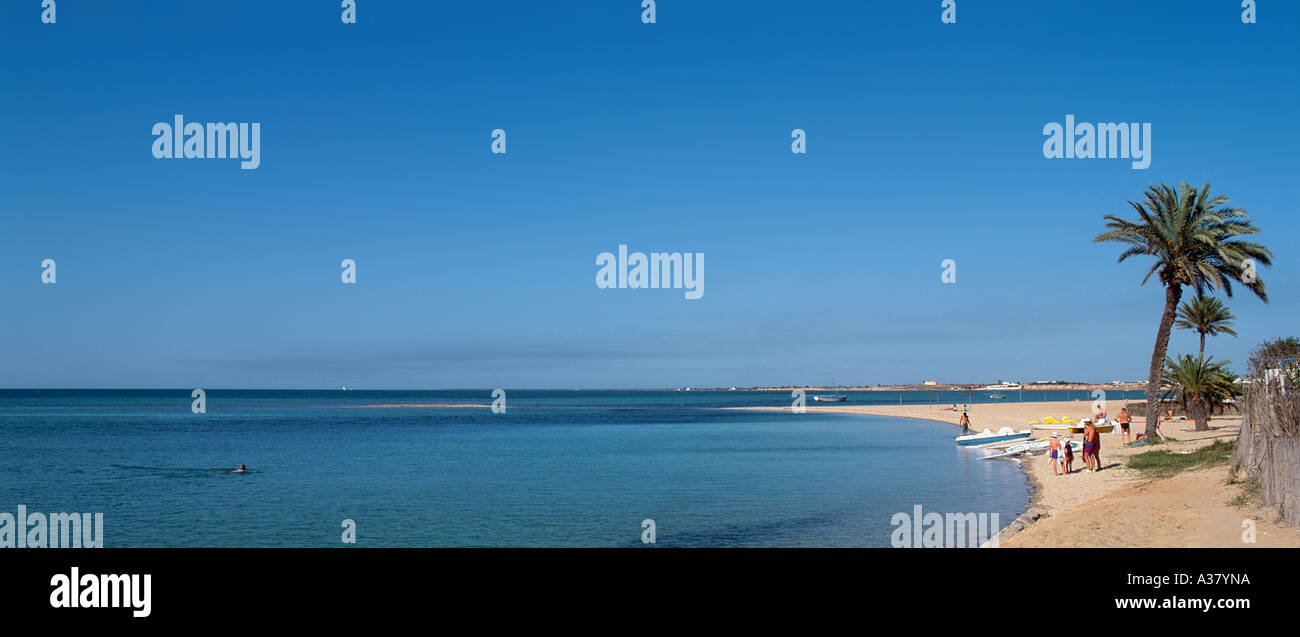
[477, 270]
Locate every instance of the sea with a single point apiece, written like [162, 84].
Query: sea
[559, 468]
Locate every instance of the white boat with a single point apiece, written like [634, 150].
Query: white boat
[1031, 447]
[996, 396]
[1074, 427]
[989, 437]
[1060, 426]
[1001, 386]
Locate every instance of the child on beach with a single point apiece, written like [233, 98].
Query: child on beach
[1068, 455]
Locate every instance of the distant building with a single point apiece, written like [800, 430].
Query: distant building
[930, 382]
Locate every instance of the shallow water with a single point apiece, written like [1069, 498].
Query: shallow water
[558, 469]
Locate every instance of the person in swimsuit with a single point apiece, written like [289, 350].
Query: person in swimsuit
[1054, 451]
[1096, 449]
[965, 424]
[1089, 447]
[1067, 454]
[241, 469]
[1124, 420]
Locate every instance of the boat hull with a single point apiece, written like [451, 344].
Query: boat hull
[830, 399]
[988, 438]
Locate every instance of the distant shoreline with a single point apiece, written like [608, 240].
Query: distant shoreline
[930, 388]
[946, 387]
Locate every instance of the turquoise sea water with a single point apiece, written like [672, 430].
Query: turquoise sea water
[559, 468]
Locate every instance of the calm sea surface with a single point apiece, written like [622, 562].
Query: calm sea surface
[559, 468]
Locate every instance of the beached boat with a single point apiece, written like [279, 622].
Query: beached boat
[989, 437]
[1032, 447]
[1052, 423]
[1106, 428]
[1070, 425]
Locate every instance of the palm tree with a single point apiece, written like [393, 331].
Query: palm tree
[1207, 315]
[1195, 240]
[1200, 382]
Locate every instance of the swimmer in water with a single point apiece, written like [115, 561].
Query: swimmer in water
[241, 469]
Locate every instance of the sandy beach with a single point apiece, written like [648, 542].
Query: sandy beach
[1116, 507]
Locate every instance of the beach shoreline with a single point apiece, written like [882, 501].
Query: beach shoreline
[1116, 506]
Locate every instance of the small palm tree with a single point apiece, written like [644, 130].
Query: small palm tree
[1195, 239]
[1207, 315]
[1199, 382]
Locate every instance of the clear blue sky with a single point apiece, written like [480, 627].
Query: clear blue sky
[476, 270]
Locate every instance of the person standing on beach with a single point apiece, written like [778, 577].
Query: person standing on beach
[1096, 448]
[1054, 452]
[1124, 420]
[965, 424]
[1067, 455]
[1089, 446]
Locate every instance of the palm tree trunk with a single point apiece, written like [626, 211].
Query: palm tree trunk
[1202, 344]
[1173, 294]
[1202, 411]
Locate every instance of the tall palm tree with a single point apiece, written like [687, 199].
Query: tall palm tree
[1200, 382]
[1207, 315]
[1195, 240]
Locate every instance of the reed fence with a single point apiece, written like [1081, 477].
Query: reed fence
[1268, 448]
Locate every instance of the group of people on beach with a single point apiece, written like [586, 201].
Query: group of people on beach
[1061, 451]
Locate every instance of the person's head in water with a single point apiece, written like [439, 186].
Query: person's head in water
[243, 468]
